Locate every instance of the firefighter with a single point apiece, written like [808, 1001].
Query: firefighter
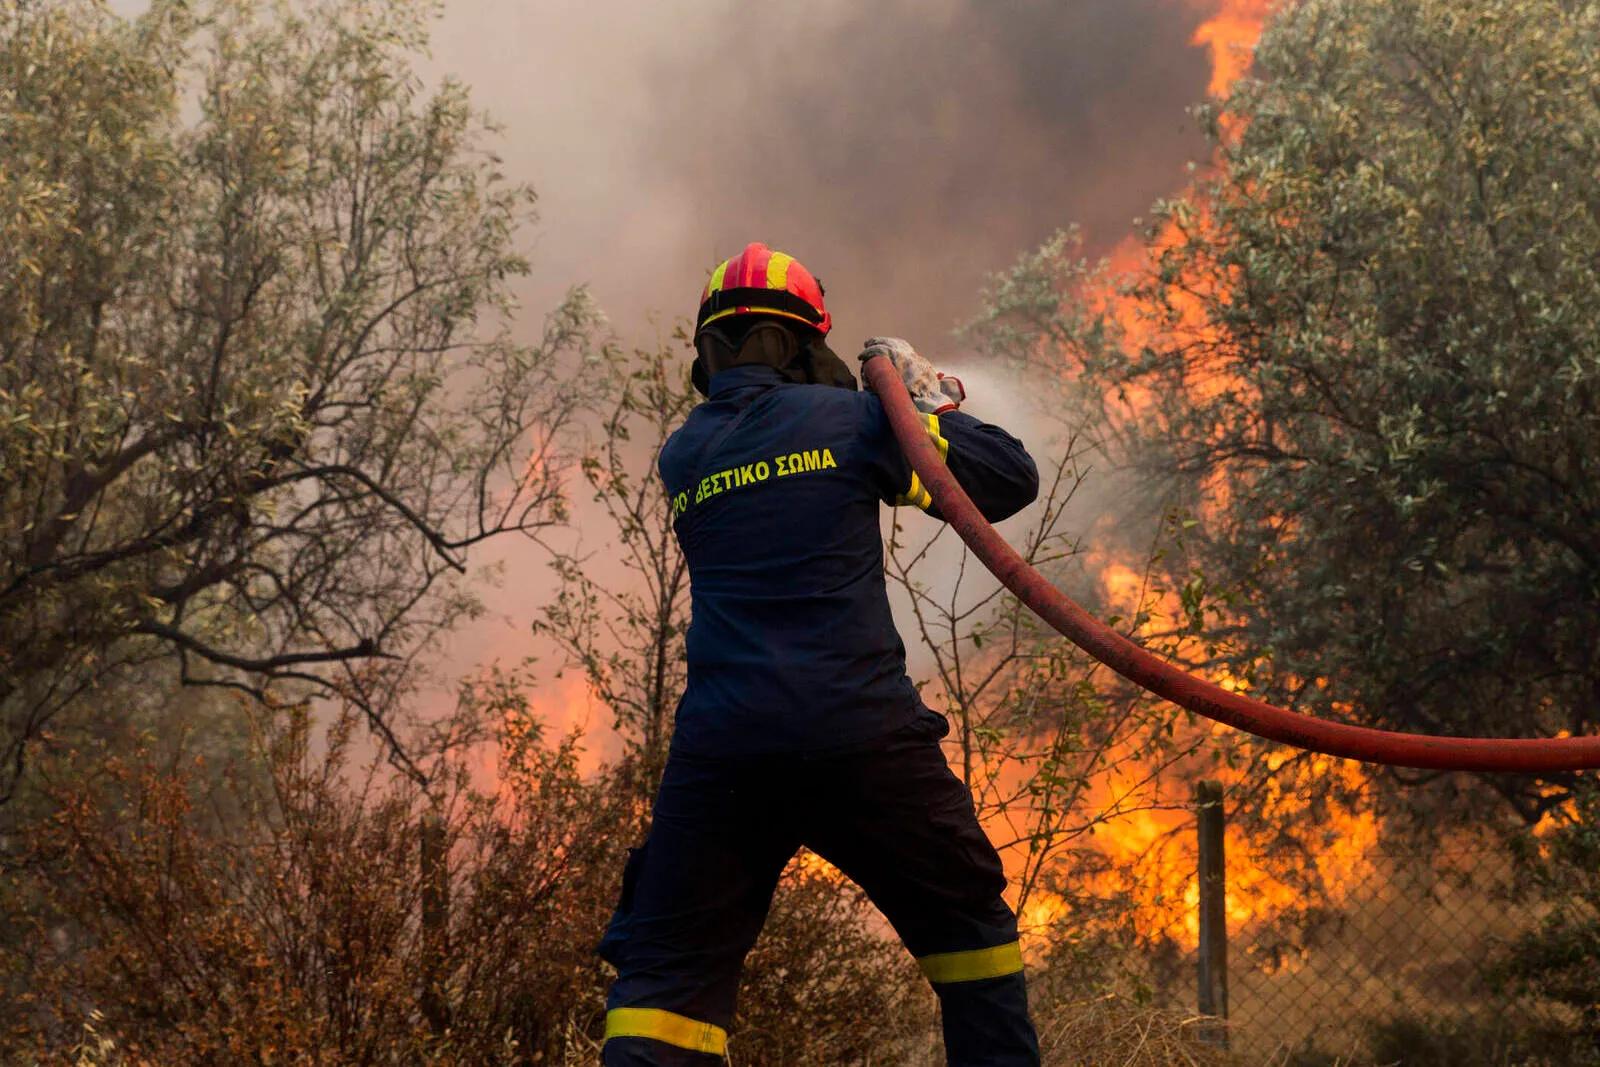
[799, 725]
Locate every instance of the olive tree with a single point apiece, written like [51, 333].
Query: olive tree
[1365, 353]
[258, 393]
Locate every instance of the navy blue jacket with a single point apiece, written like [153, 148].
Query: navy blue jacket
[775, 490]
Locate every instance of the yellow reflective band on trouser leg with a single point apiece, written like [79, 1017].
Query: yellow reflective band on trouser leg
[972, 965]
[667, 1026]
[915, 494]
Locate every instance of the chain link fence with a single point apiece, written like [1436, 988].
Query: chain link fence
[1413, 963]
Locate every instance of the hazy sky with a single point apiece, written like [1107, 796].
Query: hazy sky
[903, 150]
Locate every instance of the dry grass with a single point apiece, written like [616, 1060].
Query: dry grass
[1112, 1031]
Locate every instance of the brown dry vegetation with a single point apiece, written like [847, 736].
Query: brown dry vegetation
[177, 888]
[164, 912]
[168, 911]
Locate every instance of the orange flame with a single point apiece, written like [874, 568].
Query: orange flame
[1148, 834]
[1230, 33]
[1140, 838]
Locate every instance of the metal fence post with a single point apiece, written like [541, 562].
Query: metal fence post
[1213, 963]
[435, 917]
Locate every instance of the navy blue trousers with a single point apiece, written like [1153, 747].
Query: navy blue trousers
[890, 815]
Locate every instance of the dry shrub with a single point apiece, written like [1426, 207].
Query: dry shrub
[1113, 1031]
[159, 911]
[290, 931]
[826, 983]
[286, 932]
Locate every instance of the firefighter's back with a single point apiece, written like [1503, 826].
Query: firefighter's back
[775, 496]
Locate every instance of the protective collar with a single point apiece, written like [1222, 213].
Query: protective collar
[814, 364]
[742, 377]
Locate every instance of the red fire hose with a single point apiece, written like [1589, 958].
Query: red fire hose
[1159, 677]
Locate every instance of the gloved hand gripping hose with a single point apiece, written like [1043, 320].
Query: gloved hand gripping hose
[1162, 678]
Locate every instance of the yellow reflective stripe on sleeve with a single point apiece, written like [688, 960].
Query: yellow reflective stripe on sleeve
[918, 494]
[778, 271]
[915, 495]
[938, 439]
[715, 284]
[946, 967]
[667, 1026]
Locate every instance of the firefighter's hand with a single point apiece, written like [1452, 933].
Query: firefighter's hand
[930, 391]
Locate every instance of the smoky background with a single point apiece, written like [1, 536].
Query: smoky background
[903, 150]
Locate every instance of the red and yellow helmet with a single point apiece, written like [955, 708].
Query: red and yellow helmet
[761, 281]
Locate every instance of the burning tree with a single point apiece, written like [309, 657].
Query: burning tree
[1357, 357]
[1360, 356]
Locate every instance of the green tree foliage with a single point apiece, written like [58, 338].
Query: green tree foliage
[257, 398]
[1560, 961]
[1365, 354]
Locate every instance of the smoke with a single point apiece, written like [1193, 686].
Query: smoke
[902, 149]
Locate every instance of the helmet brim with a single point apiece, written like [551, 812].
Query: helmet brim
[755, 309]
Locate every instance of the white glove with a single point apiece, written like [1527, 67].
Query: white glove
[931, 392]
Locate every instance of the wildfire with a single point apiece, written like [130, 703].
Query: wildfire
[567, 708]
[1143, 832]
[1152, 836]
[1125, 589]
[1230, 33]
